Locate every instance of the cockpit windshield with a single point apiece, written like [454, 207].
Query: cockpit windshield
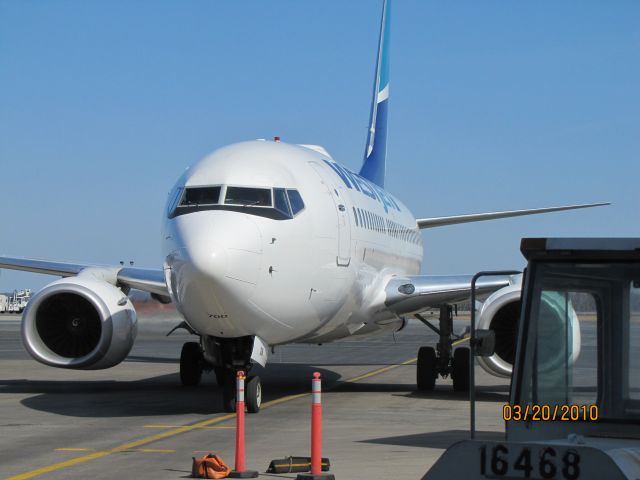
[274, 203]
[201, 196]
[258, 197]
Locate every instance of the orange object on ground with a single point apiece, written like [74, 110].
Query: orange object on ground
[241, 469]
[209, 466]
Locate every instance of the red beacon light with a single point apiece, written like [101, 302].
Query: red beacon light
[276, 139]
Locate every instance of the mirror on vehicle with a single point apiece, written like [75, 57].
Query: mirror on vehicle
[485, 343]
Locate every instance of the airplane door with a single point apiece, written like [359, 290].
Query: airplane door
[339, 197]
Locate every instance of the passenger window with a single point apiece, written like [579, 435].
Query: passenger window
[200, 196]
[260, 197]
[296, 201]
[280, 201]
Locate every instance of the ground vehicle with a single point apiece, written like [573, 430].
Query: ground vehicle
[17, 302]
[574, 407]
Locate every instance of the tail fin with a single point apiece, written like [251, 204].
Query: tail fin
[375, 154]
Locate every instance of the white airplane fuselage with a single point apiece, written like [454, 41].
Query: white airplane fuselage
[236, 270]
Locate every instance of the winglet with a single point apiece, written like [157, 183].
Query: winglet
[375, 154]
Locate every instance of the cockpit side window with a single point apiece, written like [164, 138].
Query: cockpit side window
[174, 198]
[255, 197]
[200, 196]
[296, 201]
[281, 202]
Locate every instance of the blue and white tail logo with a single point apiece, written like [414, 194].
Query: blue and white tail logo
[376, 149]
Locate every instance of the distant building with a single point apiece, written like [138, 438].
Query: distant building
[17, 301]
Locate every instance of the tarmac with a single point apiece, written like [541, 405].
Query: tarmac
[136, 421]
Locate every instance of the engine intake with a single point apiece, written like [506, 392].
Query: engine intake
[501, 312]
[80, 323]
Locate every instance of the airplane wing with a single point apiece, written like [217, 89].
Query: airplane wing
[148, 280]
[411, 294]
[479, 217]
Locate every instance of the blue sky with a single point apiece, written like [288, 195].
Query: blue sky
[494, 105]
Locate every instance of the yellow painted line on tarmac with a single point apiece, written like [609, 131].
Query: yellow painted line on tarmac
[178, 426]
[177, 431]
[462, 340]
[58, 466]
[75, 449]
[121, 448]
[380, 370]
[288, 398]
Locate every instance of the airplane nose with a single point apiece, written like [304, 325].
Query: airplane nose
[208, 258]
[220, 246]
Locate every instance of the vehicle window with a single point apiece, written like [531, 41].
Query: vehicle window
[260, 197]
[200, 196]
[633, 375]
[280, 201]
[296, 201]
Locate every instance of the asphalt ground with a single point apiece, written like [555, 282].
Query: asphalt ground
[136, 421]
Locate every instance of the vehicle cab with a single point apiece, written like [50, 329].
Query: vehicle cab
[574, 408]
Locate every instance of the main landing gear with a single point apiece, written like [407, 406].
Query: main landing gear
[225, 357]
[439, 361]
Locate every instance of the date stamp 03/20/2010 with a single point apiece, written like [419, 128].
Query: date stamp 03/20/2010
[545, 412]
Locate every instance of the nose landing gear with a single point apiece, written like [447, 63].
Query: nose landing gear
[252, 393]
[191, 364]
[225, 357]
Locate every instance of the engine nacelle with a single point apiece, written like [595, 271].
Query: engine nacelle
[501, 312]
[79, 322]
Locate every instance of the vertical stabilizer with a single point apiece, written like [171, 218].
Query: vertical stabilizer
[375, 153]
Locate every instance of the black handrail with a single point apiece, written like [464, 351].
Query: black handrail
[472, 344]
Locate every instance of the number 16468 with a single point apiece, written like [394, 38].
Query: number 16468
[523, 462]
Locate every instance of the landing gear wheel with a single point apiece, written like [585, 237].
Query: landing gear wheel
[460, 369]
[191, 362]
[229, 391]
[253, 394]
[426, 372]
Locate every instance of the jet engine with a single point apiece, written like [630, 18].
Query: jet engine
[501, 312]
[79, 322]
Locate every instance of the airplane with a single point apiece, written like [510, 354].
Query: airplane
[267, 243]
